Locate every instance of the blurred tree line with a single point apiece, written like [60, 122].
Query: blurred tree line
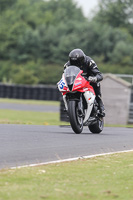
[36, 37]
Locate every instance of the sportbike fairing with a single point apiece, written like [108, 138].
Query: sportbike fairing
[70, 74]
[73, 81]
[68, 78]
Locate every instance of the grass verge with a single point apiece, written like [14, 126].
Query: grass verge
[36, 118]
[29, 117]
[99, 178]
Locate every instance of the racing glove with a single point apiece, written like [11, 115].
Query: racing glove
[92, 79]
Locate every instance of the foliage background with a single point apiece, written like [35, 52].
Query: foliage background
[37, 36]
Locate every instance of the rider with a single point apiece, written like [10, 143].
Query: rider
[90, 70]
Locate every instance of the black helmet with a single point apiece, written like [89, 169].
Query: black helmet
[76, 57]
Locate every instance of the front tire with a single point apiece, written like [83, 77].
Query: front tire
[75, 120]
[97, 127]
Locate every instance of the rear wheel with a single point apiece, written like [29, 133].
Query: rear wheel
[97, 127]
[76, 120]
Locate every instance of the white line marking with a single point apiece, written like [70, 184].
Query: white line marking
[70, 159]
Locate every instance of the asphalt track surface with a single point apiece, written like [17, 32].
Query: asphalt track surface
[30, 144]
[29, 107]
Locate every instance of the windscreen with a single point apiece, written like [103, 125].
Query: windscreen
[70, 74]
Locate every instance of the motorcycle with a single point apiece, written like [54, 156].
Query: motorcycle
[80, 101]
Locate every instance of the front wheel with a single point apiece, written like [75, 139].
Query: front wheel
[97, 127]
[76, 121]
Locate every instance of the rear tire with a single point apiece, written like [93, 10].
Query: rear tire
[75, 121]
[97, 127]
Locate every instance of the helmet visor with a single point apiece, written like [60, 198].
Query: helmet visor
[75, 62]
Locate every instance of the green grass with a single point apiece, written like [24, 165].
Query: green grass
[100, 178]
[36, 118]
[29, 117]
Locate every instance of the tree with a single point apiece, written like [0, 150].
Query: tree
[5, 4]
[112, 29]
[33, 29]
[117, 13]
[36, 37]
[123, 54]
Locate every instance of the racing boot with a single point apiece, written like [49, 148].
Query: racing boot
[102, 111]
[100, 106]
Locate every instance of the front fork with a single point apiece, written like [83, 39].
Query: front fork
[80, 104]
[65, 102]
